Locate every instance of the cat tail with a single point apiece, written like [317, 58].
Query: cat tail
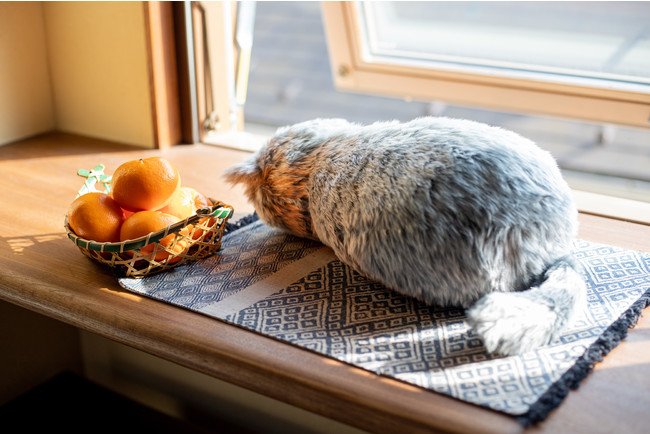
[512, 323]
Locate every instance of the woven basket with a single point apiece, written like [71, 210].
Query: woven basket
[203, 240]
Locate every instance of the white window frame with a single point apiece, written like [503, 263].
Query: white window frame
[222, 57]
[356, 70]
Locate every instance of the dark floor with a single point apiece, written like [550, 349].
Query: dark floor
[69, 403]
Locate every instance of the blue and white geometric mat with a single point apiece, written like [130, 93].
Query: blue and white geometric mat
[297, 291]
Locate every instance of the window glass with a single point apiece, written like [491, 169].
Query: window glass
[555, 41]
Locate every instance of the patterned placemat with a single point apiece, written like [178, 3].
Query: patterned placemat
[296, 290]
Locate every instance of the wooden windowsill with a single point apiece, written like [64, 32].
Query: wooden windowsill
[39, 181]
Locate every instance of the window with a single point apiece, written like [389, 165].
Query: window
[584, 60]
[296, 75]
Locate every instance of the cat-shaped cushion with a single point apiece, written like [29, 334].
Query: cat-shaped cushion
[450, 211]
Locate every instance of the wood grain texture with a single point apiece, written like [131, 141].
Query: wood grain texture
[43, 271]
[163, 76]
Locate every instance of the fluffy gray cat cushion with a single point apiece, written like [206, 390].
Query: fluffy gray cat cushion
[449, 211]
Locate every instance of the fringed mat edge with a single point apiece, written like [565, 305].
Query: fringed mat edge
[571, 379]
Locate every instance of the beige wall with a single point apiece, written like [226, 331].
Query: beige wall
[25, 94]
[78, 67]
[99, 73]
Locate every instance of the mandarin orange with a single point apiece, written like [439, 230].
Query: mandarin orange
[142, 223]
[96, 216]
[185, 202]
[198, 230]
[145, 184]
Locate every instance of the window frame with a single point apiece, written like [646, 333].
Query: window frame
[357, 71]
[215, 90]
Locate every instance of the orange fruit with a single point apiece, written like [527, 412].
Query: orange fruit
[145, 184]
[207, 222]
[185, 202]
[96, 216]
[142, 223]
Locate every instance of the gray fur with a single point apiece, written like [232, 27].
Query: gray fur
[449, 211]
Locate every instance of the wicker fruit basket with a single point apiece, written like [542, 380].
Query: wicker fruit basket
[204, 239]
[195, 237]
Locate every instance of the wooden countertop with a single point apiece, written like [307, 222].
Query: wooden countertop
[43, 271]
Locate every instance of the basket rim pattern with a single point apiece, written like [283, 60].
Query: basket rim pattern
[137, 264]
[219, 210]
